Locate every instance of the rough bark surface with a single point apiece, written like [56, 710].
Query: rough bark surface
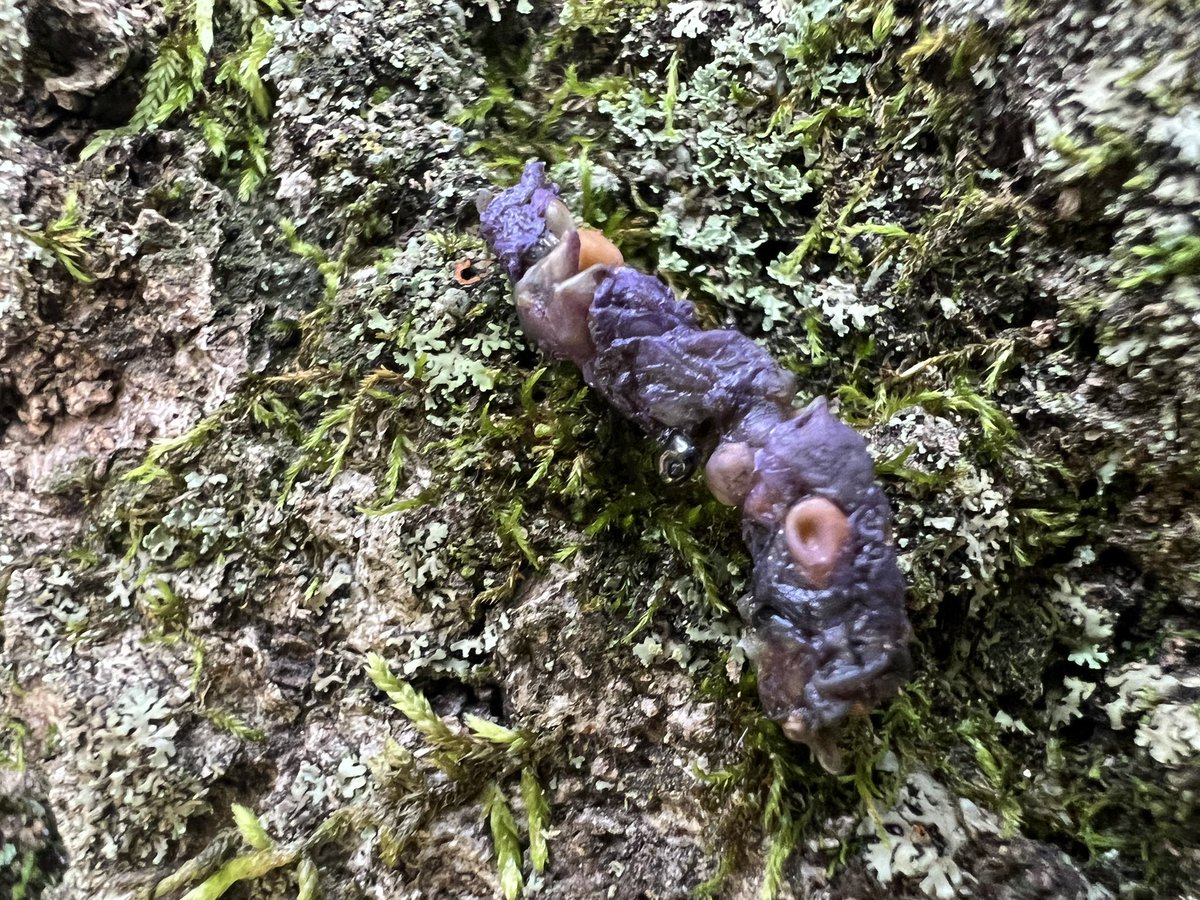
[316, 580]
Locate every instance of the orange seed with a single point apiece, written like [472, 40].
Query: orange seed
[597, 250]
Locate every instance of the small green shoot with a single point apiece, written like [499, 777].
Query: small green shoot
[538, 812]
[505, 840]
[66, 240]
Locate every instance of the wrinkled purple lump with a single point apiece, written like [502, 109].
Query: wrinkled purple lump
[828, 631]
[658, 367]
[812, 452]
[514, 222]
[830, 651]
[631, 304]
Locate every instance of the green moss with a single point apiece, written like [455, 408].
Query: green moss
[1171, 256]
[66, 240]
[12, 744]
[230, 108]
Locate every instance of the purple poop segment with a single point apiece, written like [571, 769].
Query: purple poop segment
[828, 651]
[658, 367]
[514, 223]
[828, 631]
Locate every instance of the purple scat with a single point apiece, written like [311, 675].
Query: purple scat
[812, 453]
[834, 652]
[660, 369]
[839, 663]
[828, 630]
[631, 304]
[514, 223]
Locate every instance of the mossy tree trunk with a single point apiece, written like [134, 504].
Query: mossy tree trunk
[318, 581]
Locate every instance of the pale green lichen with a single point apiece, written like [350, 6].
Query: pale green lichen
[1164, 708]
[920, 837]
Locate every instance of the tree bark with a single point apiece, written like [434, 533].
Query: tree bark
[317, 580]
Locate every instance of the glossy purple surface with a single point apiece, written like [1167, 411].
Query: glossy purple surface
[514, 222]
[659, 368]
[827, 644]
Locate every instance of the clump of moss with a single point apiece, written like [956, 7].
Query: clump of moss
[208, 67]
